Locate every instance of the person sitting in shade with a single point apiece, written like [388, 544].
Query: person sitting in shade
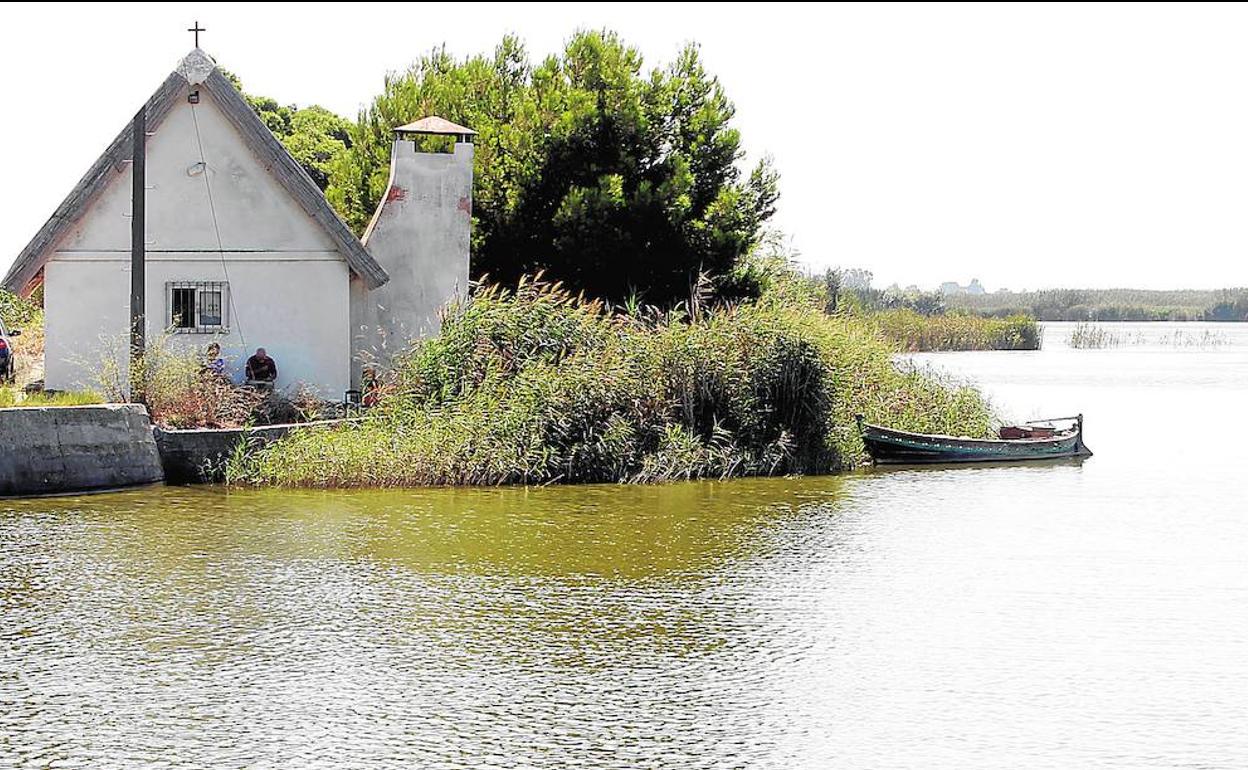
[261, 370]
[214, 364]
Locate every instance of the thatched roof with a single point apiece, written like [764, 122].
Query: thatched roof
[196, 69]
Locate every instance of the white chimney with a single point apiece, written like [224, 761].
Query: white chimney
[420, 234]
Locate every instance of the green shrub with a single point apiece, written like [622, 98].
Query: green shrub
[172, 382]
[18, 312]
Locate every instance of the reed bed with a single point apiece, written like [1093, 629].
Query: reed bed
[534, 386]
[1206, 339]
[915, 333]
[1091, 336]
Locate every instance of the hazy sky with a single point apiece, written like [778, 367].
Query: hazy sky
[1027, 146]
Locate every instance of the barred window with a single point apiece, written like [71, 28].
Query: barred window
[197, 307]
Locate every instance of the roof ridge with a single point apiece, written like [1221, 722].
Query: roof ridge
[196, 66]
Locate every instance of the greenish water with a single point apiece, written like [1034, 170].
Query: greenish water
[1055, 615]
[470, 626]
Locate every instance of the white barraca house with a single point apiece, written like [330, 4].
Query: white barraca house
[242, 248]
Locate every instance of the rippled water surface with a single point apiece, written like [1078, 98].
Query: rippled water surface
[1052, 616]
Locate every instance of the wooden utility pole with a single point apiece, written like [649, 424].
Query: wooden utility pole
[138, 247]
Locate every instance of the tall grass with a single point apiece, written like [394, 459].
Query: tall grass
[1091, 336]
[537, 386]
[10, 397]
[1206, 339]
[914, 332]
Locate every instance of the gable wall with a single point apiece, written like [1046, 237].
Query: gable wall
[253, 211]
[289, 284]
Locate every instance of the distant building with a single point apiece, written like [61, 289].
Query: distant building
[953, 287]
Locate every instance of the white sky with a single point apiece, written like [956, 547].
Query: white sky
[1027, 146]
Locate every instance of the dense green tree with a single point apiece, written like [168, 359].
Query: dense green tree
[317, 138]
[613, 181]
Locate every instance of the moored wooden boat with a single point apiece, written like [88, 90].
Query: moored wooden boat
[1034, 441]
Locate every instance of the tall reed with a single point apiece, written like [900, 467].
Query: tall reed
[535, 386]
[914, 332]
[1090, 336]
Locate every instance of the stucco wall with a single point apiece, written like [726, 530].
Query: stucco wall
[289, 285]
[297, 311]
[420, 235]
[72, 449]
[253, 210]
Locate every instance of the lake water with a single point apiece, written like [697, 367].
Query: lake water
[1063, 615]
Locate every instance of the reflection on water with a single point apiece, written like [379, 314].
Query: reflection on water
[1051, 615]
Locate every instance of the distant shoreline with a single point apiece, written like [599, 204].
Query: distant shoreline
[1110, 305]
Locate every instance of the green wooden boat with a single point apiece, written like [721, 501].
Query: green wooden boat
[1039, 440]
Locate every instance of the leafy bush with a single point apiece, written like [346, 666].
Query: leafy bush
[170, 381]
[25, 314]
[18, 312]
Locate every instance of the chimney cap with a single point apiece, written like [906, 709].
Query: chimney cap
[438, 126]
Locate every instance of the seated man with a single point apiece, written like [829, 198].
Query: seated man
[261, 370]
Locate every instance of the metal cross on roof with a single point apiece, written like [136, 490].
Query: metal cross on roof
[196, 29]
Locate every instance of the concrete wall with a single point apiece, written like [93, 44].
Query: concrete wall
[72, 449]
[289, 285]
[420, 235]
[199, 456]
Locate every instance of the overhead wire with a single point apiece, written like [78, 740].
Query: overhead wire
[235, 318]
